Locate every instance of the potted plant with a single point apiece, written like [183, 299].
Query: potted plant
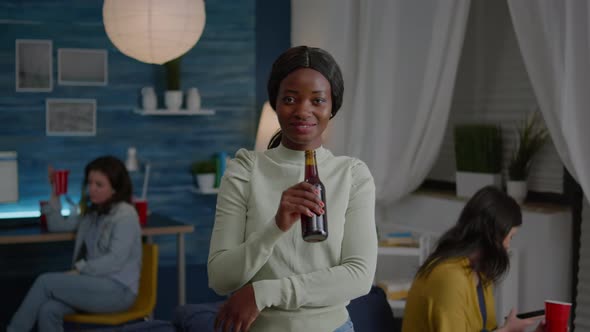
[478, 157]
[531, 136]
[173, 95]
[204, 172]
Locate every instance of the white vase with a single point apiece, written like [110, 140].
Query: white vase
[173, 100]
[206, 181]
[517, 190]
[148, 98]
[193, 99]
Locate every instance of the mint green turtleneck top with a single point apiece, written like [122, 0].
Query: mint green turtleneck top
[299, 286]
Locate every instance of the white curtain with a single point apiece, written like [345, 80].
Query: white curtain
[399, 59]
[554, 38]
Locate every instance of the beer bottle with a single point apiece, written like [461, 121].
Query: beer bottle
[314, 228]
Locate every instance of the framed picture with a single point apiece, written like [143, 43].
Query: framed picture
[70, 117]
[82, 66]
[33, 65]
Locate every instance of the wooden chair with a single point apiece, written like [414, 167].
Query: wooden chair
[144, 303]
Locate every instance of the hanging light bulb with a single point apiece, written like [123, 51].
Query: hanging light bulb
[154, 31]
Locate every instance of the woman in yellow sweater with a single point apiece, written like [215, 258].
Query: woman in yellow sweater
[453, 289]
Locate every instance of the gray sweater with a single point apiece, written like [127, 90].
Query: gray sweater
[117, 246]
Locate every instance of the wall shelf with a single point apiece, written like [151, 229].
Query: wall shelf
[420, 252]
[400, 251]
[397, 304]
[165, 112]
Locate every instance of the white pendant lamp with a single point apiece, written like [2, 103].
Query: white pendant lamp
[154, 31]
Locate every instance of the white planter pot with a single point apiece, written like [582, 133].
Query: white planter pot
[206, 181]
[517, 190]
[469, 183]
[173, 100]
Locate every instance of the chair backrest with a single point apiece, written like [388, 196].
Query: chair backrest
[148, 281]
[144, 303]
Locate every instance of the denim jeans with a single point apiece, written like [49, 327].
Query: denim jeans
[346, 327]
[54, 295]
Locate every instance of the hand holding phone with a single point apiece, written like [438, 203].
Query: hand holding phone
[530, 314]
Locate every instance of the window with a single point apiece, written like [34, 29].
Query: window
[492, 86]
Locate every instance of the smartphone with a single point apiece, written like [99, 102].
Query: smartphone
[531, 314]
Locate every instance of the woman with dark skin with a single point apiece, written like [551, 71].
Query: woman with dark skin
[278, 281]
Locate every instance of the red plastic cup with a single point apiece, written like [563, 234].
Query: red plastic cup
[43, 218]
[142, 208]
[60, 181]
[557, 315]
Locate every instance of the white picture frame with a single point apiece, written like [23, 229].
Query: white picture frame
[70, 117]
[33, 60]
[82, 66]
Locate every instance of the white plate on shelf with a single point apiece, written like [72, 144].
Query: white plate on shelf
[205, 192]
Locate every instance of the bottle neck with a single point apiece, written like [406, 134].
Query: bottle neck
[311, 167]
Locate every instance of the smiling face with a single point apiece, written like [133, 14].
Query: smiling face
[99, 187]
[303, 107]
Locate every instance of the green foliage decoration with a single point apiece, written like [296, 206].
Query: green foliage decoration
[531, 136]
[173, 74]
[478, 148]
[203, 167]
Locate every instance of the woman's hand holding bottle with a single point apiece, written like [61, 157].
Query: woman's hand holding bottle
[299, 199]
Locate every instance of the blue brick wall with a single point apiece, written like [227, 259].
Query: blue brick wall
[229, 65]
[221, 65]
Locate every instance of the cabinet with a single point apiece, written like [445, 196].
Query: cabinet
[8, 177]
[541, 257]
[385, 255]
[505, 292]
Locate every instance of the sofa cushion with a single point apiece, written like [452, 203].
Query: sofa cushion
[149, 326]
[196, 317]
[369, 313]
[372, 313]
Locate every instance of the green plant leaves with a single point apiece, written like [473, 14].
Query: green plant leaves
[204, 166]
[531, 138]
[478, 148]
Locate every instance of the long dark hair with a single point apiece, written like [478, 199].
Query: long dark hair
[484, 223]
[115, 171]
[304, 57]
